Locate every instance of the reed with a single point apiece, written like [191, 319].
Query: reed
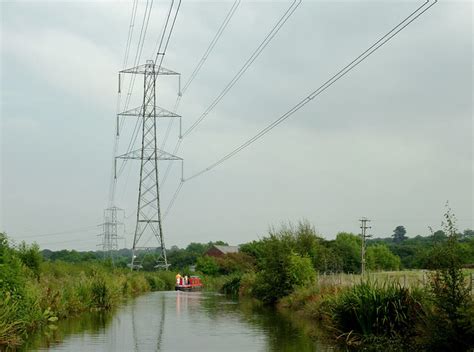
[62, 290]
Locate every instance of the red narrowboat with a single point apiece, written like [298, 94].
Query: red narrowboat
[193, 283]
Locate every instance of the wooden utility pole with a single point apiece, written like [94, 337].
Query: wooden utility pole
[364, 236]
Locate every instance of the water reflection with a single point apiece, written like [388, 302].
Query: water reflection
[183, 321]
[140, 344]
[51, 336]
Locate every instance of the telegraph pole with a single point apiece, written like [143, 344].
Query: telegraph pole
[364, 236]
[149, 219]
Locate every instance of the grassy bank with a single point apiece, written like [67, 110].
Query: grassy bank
[431, 310]
[372, 315]
[36, 294]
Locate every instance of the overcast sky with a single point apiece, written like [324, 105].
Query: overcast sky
[391, 141]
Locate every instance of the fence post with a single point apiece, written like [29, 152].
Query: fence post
[472, 279]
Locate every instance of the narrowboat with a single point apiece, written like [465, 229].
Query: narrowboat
[194, 283]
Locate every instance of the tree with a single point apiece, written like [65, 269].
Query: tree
[452, 301]
[399, 234]
[31, 257]
[347, 246]
[207, 265]
[468, 234]
[379, 257]
[439, 236]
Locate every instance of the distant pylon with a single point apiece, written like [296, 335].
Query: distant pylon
[148, 211]
[110, 229]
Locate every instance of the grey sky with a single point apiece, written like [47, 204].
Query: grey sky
[391, 141]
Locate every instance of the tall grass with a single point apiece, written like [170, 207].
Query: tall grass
[368, 310]
[369, 315]
[64, 289]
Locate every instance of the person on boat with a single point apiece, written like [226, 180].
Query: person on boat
[186, 279]
[178, 278]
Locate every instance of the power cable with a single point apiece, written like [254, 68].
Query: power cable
[200, 64]
[354, 63]
[374, 47]
[159, 53]
[255, 54]
[247, 64]
[141, 41]
[88, 228]
[131, 26]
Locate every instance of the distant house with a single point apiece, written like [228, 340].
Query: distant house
[217, 251]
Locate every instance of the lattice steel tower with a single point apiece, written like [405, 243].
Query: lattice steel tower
[110, 229]
[148, 211]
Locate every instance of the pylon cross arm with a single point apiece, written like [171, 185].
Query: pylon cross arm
[147, 153]
[149, 69]
[158, 111]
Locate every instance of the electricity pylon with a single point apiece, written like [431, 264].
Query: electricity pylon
[148, 219]
[109, 234]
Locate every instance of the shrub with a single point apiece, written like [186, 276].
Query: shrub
[232, 285]
[453, 304]
[207, 265]
[379, 257]
[235, 263]
[384, 312]
[31, 257]
[100, 294]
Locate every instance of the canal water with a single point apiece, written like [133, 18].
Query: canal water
[181, 321]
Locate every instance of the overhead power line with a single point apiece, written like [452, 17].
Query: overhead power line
[341, 73]
[354, 63]
[200, 64]
[131, 26]
[81, 229]
[212, 44]
[141, 41]
[273, 32]
[158, 54]
[255, 54]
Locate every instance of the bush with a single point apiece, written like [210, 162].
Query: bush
[207, 265]
[282, 274]
[100, 294]
[379, 257]
[232, 285]
[235, 263]
[367, 311]
[31, 257]
[453, 304]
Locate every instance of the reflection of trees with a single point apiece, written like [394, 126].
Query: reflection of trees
[136, 329]
[284, 330]
[89, 322]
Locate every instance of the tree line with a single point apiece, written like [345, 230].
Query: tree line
[342, 254]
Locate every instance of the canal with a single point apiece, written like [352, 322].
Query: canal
[181, 321]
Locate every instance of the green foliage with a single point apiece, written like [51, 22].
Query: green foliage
[232, 285]
[61, 289]
[368, 310]
[31, 257]
[12, 280]
[300, 270]
[347, 246]
[379, 257]
[100, 293]
[451, 296]
[207, 265]
[399, 234]
[235, 263]
[281, 267]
